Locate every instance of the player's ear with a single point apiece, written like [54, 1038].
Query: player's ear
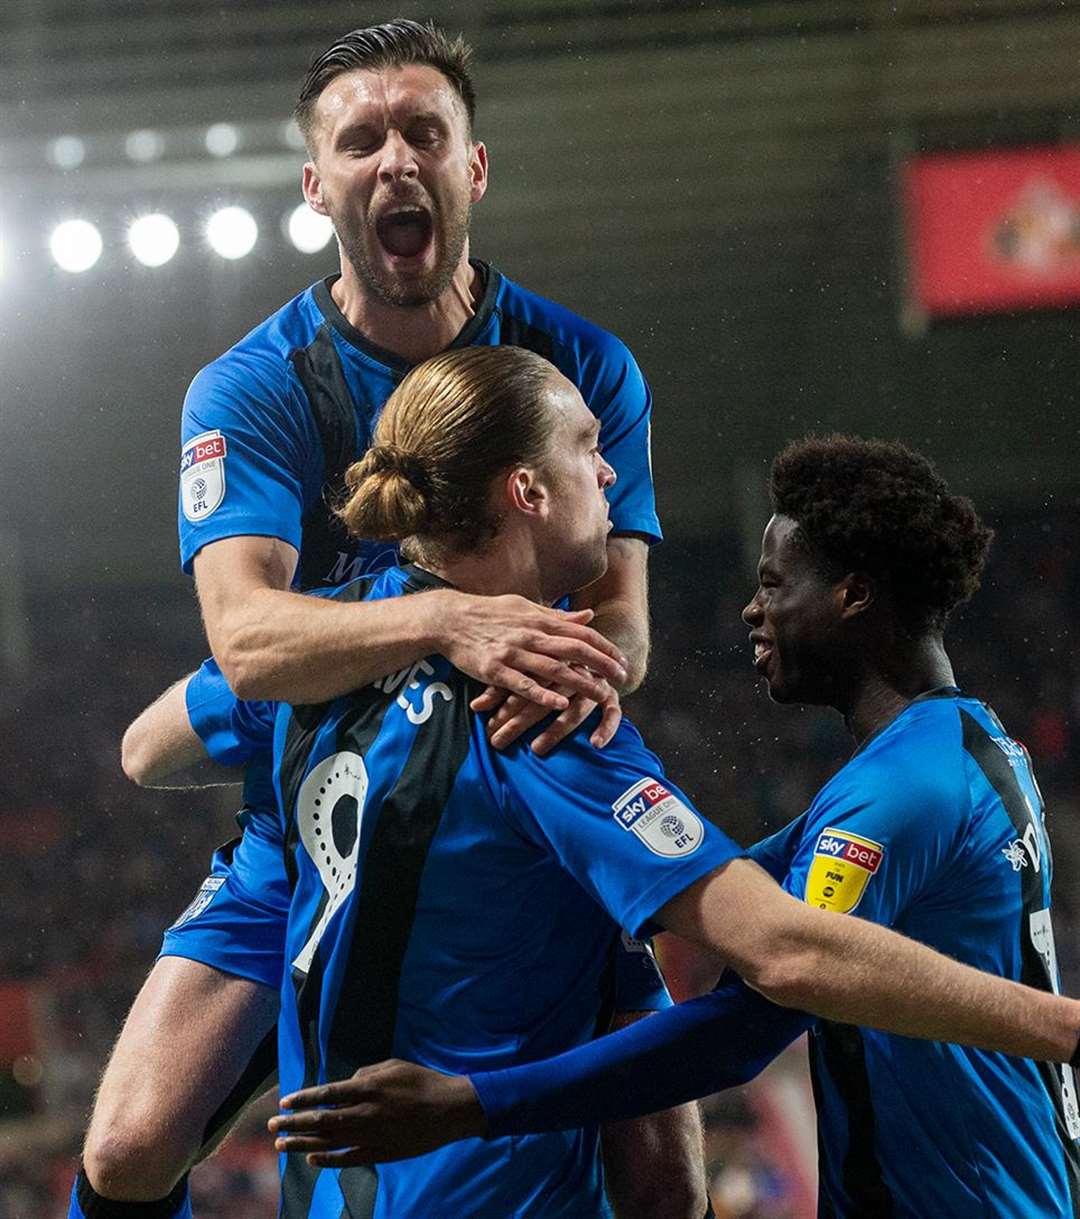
[855, 593]
[478, 172]
[313, 188]
[525, 493]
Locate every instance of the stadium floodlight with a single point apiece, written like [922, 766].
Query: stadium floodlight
[67, 152]
[144, 145]
[232, 232]
[75, 245]
[307, 230]
[222, 139]
[153, 239]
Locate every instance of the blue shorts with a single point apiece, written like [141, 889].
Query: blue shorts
[236, 921]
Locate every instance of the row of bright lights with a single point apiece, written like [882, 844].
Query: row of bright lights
[68, 152]
[231, 232]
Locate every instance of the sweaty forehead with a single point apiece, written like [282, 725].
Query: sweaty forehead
[566, 398]
[365, 95]
[776, 544]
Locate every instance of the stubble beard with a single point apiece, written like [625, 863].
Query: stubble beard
[412, 293]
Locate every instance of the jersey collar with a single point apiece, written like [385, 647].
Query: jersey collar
[490, 280]
[926, 696]
[419, 578]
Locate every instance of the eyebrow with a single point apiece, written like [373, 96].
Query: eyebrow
[426, 116]
[352, 130]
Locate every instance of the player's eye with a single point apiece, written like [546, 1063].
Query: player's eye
[361, 143]
[424, 137]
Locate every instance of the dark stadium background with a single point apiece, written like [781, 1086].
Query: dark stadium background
[717, 183]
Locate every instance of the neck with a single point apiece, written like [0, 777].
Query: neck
[414, 332]
[885, 689]
[503, 567]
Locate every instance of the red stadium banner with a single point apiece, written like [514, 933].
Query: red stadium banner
[993, 231]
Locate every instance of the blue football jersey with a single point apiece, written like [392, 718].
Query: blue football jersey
[460, 907]
[304, 390]
[935, 827]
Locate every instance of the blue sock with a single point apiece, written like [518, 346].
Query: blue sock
[87, 1203]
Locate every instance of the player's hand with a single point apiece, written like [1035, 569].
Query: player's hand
[389, 1111]
[511, 716]
[528, 649]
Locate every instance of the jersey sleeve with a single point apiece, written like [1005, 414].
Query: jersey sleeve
[617, 394]
[693, 1049]
[776, 852]
[614, 822]
[232, 730]
[871, 841]
[248, 456]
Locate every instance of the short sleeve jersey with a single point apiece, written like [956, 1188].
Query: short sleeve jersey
[460, 907]
[935, 828]
[276, 419]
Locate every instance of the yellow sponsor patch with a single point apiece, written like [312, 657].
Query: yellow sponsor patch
[841, 869]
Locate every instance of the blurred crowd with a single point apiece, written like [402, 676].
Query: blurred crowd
[92, 869]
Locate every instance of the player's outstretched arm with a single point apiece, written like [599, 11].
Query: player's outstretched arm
[397, 1109]
[160, 741]
[275, 644]
[851, 970]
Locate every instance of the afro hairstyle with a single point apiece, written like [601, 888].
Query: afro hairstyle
[878, 507]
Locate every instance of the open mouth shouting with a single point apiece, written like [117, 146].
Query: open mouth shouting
[763, 650]
[405, 231]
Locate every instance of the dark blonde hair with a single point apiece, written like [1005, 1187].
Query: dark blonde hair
[452, 424]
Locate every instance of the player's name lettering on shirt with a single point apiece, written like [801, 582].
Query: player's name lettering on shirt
[416, 696]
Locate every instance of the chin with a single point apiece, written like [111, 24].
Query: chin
[777, 694]
[788, 695]
[584, 575]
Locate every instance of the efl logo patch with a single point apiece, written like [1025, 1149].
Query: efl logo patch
[206, 894]
[841, 869]
[662, 822]
[202, 475]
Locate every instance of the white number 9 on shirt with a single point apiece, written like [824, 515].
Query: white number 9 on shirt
[329, 813]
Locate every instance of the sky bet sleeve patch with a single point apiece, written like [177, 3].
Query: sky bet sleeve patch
[841, 869]
[202, 475]
[659, 818]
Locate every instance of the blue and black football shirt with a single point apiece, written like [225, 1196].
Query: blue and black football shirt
[460, 906]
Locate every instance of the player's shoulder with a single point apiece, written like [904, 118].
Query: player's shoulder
[912, 771]
[575, 758]
[261, 361]
[395, 581]
[590, 347]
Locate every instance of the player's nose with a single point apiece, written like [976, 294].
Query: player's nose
[397, 159]
[753, 614]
